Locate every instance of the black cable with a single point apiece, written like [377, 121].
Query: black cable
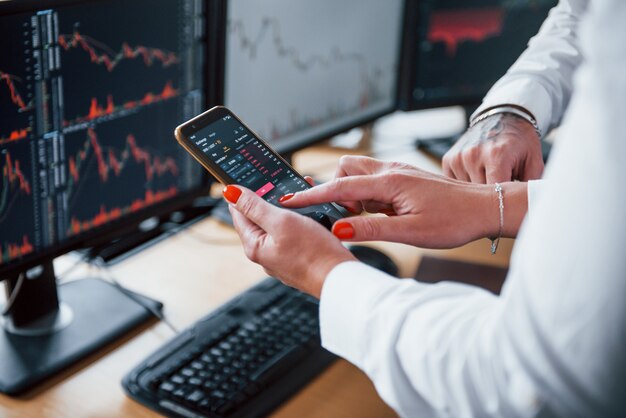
[14, 294]
[100, 263]
[83, 259]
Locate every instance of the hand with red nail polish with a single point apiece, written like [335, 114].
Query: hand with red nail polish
[281, 241]
[231, 194]
[421, 208]
[343, 230]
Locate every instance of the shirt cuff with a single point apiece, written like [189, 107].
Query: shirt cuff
[349, 293]
[534, 188]
[524, 93]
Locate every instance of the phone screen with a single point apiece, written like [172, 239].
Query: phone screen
[249, 162]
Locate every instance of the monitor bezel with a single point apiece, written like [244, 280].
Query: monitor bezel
[286, 149]
[116, 228]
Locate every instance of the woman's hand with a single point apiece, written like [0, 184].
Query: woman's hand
[424, 209]
[291, 247]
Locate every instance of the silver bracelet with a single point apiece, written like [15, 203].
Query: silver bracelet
[507, 109]
[496, 241]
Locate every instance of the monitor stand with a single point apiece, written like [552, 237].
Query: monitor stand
[48, 328]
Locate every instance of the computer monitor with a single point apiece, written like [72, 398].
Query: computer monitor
[300, 71]
[455, 50]
[90, 93]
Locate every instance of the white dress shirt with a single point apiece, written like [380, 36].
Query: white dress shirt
[541, 79]
[554, 342]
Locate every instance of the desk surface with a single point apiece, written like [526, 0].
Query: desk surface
[194, 272]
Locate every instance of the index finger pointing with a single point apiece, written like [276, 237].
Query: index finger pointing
[345, 189]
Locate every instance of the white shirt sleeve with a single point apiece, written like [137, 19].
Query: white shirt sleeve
[553, 343]
[541, 79]
[533, 192]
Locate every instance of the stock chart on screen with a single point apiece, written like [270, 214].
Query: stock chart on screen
[89, 97]
[463, 47]
[298, 70]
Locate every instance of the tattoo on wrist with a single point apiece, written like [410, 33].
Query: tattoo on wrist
[492, 127]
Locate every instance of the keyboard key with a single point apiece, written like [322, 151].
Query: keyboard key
[218, 394]
[210, 385]
[178, 379]
[187, 372]
[195, 397]
[197, 365]
[228, 364]
[167, 387]
[180, 394]
[278, 364]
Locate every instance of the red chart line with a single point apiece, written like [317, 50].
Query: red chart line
[105, 215]
[16, 98]
[12, 173]
[100, 54]
[15, 136]
[96, 110]
[110, 161]
[16, 250]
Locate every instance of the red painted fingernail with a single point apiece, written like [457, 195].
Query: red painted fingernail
[231, 193]
[286, 197]
[343, 230]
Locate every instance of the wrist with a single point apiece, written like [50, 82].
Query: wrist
[516, 112]
[515, 206]
[319, 272]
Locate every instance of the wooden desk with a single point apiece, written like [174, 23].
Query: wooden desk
[192, 273]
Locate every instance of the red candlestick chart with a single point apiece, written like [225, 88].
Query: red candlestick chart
[110, 160]
[8, 86]
[11, 251]
[9, 80]
[101, 54]
[455, 26]
[105, 215]
[97, 110]
[112, 163]
[14, 184]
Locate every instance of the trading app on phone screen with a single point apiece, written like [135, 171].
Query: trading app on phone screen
[251, 164]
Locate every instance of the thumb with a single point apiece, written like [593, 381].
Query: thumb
[253, 207]
[374, 228]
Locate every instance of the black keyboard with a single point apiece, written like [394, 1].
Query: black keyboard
[242, 360]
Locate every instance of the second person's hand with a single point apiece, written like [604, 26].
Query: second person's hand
[424, 209]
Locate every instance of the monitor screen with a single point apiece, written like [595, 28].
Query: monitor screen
[298, 71]
[461, 48]
[90, 93]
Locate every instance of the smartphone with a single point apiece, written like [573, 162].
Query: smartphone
[234, 154]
